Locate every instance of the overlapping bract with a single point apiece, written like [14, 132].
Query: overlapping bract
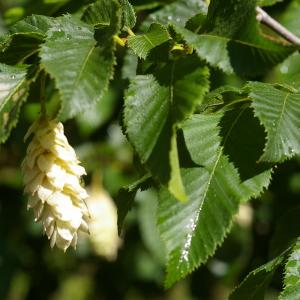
[51, 174]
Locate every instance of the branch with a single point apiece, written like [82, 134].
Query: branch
[263, 17]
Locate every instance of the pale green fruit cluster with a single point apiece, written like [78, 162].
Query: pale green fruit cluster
[51, 174]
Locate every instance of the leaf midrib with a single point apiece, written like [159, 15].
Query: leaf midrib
[6, 99]
[204, 197]
[83, 67]
[147, 38]
[279, 120]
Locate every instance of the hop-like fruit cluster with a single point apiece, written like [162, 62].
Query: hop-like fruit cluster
[103, 224]
[51, 175]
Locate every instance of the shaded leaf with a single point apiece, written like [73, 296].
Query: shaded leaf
[165, 101]
[268, 2]
[255, 284]
[129, 18]
[289, 18]
[178, 12]
[33, 24]
[292, 274]
[143, 44]
[279, 112]
[217, 97]
[100, 13]
[291, 294]
[244, 140]
[25, 39]
[13, 92]
[90, 65]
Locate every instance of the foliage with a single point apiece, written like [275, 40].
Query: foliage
[208, 100]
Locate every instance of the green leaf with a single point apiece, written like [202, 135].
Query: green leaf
[153, 109]
[145, 116]
[206, 127]
[196, 22]
[193, 230]
[231, 40]
[217, 97]
[292, 274]
[289, 18]
[143, 44]
[126, 196]
[33, 24]
[243, 141]
[255, 284]
[101, 13]
[178, 12]
[24, 40]
[289, 72]
[268, 2]
[278, 110]
[89, 64]
[129, 18]
[13, 92]
[291, 294]
[211, 48]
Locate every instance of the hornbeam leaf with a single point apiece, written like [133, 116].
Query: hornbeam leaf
[289, 18]
[255, 284]
[129, 18]
[268, 2]
[211, 48]
[100, 13]
[126, 196]
[193, 230]
[144, 43]
[291, 293]
[13, 92]
[278, 110]
[24, 39]
[292, 275]
[231, 40]
[33, 24]
[154, 106]
[178, 12]
[206, 127]
[143, 126]
[80, 66]
[239, 124]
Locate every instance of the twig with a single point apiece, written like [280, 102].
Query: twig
[263, 17]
